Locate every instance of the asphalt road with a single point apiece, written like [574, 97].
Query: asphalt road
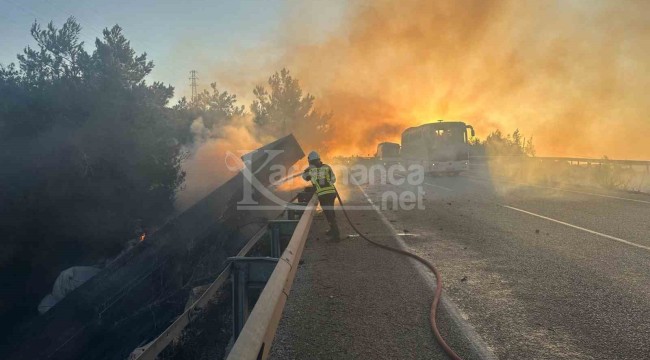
[536, 272]
[351, 300]
[540, 273]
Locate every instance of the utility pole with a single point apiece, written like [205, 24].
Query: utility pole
[193, 78]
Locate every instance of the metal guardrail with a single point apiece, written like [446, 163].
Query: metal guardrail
[242, 270]
[124, 305]
[596, 161]
[151, 350]
[256, 337]
[577, 160]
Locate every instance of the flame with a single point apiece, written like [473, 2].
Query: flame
[571, 74]
[143, 236]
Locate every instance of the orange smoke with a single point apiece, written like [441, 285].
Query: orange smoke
[571, 73]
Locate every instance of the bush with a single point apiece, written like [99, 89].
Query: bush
[90, 157]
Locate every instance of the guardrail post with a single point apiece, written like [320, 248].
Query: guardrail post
[295, 210]
[305, 196]
[257, 335]
[275, 242]
[280, 231]
[247, 273]
[239, 297]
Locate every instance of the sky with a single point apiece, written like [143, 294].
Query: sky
[178, 36]
[570, 73]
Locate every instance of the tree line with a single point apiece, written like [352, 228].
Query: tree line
[92, 153]
[499, 144]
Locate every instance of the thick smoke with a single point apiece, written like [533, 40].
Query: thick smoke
[571, 73]
[206, 166]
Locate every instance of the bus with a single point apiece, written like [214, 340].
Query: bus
[387, 153]
[441, 147]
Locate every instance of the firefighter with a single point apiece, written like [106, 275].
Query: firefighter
[323, 179]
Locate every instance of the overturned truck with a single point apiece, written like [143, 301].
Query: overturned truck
[137, 295]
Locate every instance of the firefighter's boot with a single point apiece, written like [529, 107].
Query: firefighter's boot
[334, 232]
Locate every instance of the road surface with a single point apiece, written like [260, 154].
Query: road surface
[538, 272]
[541, 273]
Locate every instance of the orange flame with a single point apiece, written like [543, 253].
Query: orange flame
[568, 73]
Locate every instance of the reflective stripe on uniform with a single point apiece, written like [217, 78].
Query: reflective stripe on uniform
[322, 179]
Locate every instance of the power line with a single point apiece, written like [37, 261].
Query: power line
[193, 78]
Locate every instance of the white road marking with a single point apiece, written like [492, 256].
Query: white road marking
[580, 228]
[592, 194]
[476, 343]
[439, 186]
[398, 234]
[566, 190]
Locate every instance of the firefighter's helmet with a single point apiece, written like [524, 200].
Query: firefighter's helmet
[313, 156]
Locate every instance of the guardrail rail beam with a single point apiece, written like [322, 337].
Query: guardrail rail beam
[254, 341]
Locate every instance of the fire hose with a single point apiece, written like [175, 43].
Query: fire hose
[437, 294]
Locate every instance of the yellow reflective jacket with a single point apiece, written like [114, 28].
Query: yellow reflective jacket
[322, 178]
